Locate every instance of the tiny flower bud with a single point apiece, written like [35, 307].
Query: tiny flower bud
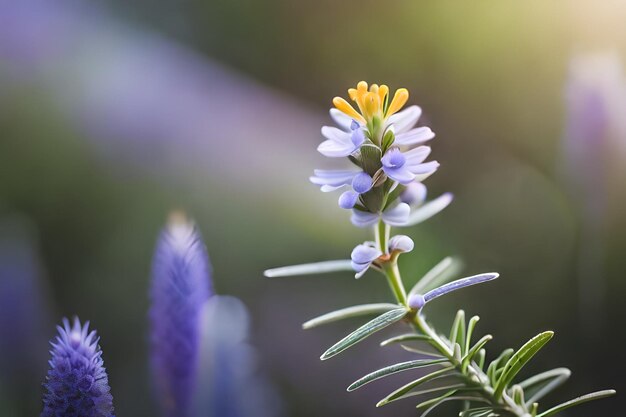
[416, 301]
[347, 200]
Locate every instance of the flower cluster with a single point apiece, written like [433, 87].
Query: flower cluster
[380, 140]
[386, 190]
[77, 384]
[180, 287]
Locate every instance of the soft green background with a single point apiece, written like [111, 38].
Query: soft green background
[490, 76]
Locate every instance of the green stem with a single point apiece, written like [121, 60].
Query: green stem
[473, 375]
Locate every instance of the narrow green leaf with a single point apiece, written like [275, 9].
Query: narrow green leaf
[480, 412]
[364, 331]
[439, 274]
[404, 338]
[537, 386]
[470, 330]
[496, 363]
[400, 392]
[576, 401]
[393, 369]
[480, 358]
[348, 312]
[311, 268]
[475, 349]
[436, 402]
[420, 351]
[519, 359]
[457, 332]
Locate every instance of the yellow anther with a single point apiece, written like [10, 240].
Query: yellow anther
[345, 107]
[371, 104]
[352, 93]
[399, 100]
[362, 87]
[383, 90]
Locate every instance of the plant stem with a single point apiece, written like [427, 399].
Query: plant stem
[473, 376]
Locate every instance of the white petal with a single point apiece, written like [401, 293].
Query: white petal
[429, 209]
[405, 119]
[414, 136]
[333, 149]
[343, 120]
[425, 168]
[337, 135]
[333, 178]
[402, 243]
[417, 155]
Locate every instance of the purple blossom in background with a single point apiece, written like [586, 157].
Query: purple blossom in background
[229, 377]
[23, 315]
[180, 287]
[77, 384]
[594, 150]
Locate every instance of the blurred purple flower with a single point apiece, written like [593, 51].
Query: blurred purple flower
[23, 315]
[77, 384]
[230, 379]
[180, 287]
[594, 149]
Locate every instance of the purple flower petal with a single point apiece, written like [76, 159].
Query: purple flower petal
[363, 219]
[416, 301]
[403, 175]
[357, 138]
[401, 243]
[362, 183]
[365, 253]
[398, 215]
[362, 257]
[414, 194]
[393, 158]
[348, 199]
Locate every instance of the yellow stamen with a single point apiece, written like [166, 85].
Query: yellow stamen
[371, 102]
[383, 90]
[345, 107]
[399, 100]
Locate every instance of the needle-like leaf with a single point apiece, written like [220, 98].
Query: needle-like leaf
[348, 312]
[364, 331]
[311, 268]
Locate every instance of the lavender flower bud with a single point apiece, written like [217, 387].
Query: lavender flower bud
[416, 301]
[180, 286]
[77, 383]
[414, 194]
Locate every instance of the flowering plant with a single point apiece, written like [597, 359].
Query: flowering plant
[385, 190]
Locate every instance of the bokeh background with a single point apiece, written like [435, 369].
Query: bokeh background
[114, 113]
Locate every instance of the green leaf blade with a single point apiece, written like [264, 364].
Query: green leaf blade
[577, 401]
[519, 359]
[364, 331]
[405, 389]
[393, 369]
[310, 268]
[349, 312]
